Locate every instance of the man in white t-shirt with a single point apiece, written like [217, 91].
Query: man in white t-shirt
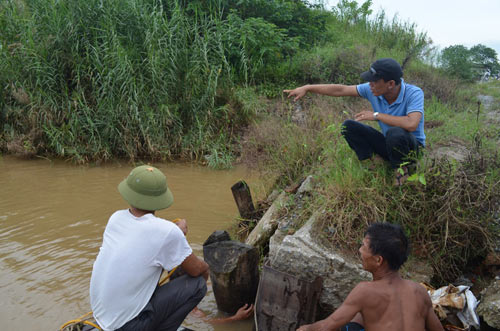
[137, 246]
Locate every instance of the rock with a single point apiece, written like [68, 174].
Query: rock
[267, 224]
[486, 100]
[453, 150]
[299, 116]
[286, 226]
[276, 240]
[273, 196]
[234, 273]
[489, 307]
[306, 186]
[301, 255]
[493, 116]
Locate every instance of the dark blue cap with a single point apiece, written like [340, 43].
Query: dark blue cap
[386, 68]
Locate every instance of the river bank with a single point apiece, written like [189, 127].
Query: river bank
[449, 208]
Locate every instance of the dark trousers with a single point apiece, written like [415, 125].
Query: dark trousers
[169, 305]
[396, 147]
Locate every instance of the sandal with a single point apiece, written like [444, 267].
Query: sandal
[401, 178]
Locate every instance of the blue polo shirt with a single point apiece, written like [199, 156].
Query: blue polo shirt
[410, 99]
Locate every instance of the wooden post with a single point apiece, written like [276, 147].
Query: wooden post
[243, 198]
[478, 110]
[285, 302]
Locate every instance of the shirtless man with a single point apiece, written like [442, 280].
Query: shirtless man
[388, 302]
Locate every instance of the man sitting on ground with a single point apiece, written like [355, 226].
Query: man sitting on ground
[398, 108]
[136, 247]
[388, 302]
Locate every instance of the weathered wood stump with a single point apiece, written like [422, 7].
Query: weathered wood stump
[233, 271]
[285, 302]
[243, 199]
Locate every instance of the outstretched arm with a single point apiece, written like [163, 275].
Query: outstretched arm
[334, 90]
[243, 313]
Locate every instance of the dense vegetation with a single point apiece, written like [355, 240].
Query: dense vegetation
[154, 79]
[157, 79]
[139, 79]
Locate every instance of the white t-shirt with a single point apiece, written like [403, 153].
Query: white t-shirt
[133, 254]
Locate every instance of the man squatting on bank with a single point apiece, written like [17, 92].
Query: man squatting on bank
[388, 302]
[137, 246]
[398, 108]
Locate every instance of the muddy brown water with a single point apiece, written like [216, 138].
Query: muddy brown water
[53, 214]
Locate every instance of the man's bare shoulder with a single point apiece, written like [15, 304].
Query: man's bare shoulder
[418, 292]
[367, 285]
[418, 288]
[365, 289]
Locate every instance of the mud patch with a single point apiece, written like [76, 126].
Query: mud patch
[454, 149]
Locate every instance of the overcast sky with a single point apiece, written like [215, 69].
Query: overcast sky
[448, 22]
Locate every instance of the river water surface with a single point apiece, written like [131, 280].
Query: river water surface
[52, 216]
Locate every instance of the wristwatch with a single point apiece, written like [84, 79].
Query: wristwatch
[375, 115]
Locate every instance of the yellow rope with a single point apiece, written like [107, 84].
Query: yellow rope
[81, 320]
[164, 280]
[68, 323]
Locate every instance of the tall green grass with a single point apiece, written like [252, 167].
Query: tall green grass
[134, 79]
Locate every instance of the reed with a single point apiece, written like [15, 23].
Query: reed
[106, 79]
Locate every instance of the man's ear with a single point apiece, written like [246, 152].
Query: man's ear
[379, 259]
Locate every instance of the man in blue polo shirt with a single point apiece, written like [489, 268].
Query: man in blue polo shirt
[397, 106]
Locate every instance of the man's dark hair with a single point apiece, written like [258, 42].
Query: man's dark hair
[389, 241]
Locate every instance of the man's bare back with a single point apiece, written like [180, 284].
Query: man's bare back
[393, 303]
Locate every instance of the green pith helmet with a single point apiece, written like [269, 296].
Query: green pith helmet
[146, 188]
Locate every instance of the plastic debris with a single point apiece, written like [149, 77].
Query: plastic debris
[455, 304]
